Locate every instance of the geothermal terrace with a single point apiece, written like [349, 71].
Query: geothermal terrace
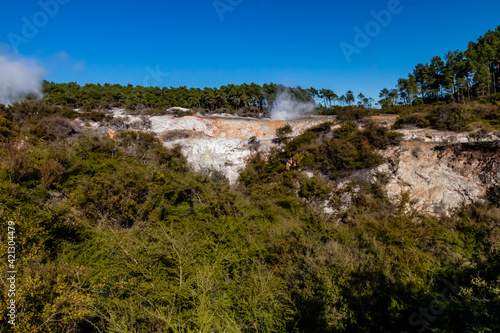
[220, 143]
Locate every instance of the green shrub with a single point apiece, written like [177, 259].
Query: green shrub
[21, 112]
[118, 235]
[494, 195]
[412, 120]
[380, 137]
[417, 101]
[5, 128]
[283, 132]
[313, 188]
[452, 117]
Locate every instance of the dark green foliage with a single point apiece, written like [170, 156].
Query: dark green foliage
[380, 137]
[314, 188]
[96, 116]
[136, 242]
[411, 120]
[283, 132]
[417, 101]
[348, 113]
[494, 195]
[50, 129]
[5, 128]
[450, 117]
[34, 110]
[493, 98]
[333, 153]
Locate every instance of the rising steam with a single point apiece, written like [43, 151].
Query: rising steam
[288, 108]
[18, 78]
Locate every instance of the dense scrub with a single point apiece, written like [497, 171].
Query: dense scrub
[452, 117]
[117, 235]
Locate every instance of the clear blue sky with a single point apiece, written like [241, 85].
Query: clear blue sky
[282, 41]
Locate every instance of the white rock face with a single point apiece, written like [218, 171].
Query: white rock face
[160, 124]
[228, 156]
[434, 186]
[232, 127]
[437, 175]
[221, 143]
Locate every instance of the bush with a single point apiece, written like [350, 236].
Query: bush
[5, 128]
[249, 111]
[333, 152]
[97, 116]
[155, 112]
[283, 132]
[254, 143]
[31, 111]
[314, 188]
[348, 113]
[118, 235]
[417, 101]
[174, 135]
[493, 98]
[411, 120]
[380, 137]
[494, 195]
[51, 129]
[452, 117]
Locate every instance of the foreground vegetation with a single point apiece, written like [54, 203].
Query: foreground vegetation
[118, 235]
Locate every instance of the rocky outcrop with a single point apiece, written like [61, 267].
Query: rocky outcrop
[479, 161]
[227, 156]
[445, 137]
[230, 127]
[441, 177]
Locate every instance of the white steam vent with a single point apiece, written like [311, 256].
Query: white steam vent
[19, 77]
[288, 108]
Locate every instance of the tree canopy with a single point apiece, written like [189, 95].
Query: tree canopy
[460, 76]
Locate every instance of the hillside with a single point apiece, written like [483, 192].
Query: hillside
[128, 223]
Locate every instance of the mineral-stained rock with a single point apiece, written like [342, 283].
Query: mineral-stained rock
[222, 143]
[439, 178]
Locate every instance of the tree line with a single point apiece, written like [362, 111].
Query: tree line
[459, 76]
[231, 96]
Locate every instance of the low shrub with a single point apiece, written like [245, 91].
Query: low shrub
[411, 120]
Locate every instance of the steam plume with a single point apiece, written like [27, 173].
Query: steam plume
[288, 108]
[19, 77]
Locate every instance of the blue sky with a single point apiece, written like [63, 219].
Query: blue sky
[191, 43]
